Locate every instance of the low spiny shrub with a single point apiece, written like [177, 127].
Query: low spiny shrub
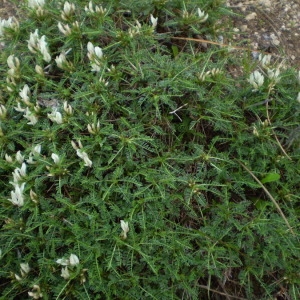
[136, 165]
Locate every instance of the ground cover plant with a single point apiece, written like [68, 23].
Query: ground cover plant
[136, 164]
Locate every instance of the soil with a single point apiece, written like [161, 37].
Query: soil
[7, 9]
[268, 25]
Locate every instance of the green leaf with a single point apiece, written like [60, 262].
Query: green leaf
[270, 178]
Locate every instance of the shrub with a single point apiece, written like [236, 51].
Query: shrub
[136, 165]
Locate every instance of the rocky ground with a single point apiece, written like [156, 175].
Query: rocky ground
[269, 25]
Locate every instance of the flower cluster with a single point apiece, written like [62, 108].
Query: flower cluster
[37, 6]
[30, 110]
[55, 116]
[82, 154]
[273, 74]
[13, 73]
[24, 270]
[256, 80]
[135, 29]
[6, 25]
[19, 175]
[95, 56]
[91, 9]
[63, 63]
[68, 10]
[202, 16]
[93, 129]
[17, 197]
[70, 262]
[39, 45]
[3, 112]
[36, 292]
[125, 229]
[211, 73]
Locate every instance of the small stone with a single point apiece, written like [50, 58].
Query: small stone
[251, 16]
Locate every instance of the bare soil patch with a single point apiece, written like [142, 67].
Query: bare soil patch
[7, 9]
[269, 25]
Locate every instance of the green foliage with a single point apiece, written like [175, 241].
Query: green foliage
[152, 132]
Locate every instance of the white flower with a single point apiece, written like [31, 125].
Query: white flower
[17, 197]
[68, 108]
[29, 115]
[55, 158]
[95, 56]
[3, 111]
[89, 8]
[75, 25]
[98, 52]
[138, 25]
[63, 261]
[33, 196]
[14, 69]
[24, 269]
[153, 21]
[39, 70]
[203, 17]
[18, 277]
[90, 48]
[13, 62]
[8, 158]
[37, 149]
[256, 79]
[10, 23]
[298, 97]
[93, 129]
[35, 152]
[37, 6]
[56, 117]
[43, 46]
[99, 10]
[125, 228]
[74, 145]
[19, 157]
[95, 68]
[64, 29]
[265, 60]
[36, 3]
[83, 155]
[74, 260]
[19, 173]
[69, 9]
[11, 83]
[25, 94]
[65, 273]
[36, 292]
[39, 44]
[274, 74]
[61, 60]
[94, 52]
[30, 159]
[33, 41]
[19, 108]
